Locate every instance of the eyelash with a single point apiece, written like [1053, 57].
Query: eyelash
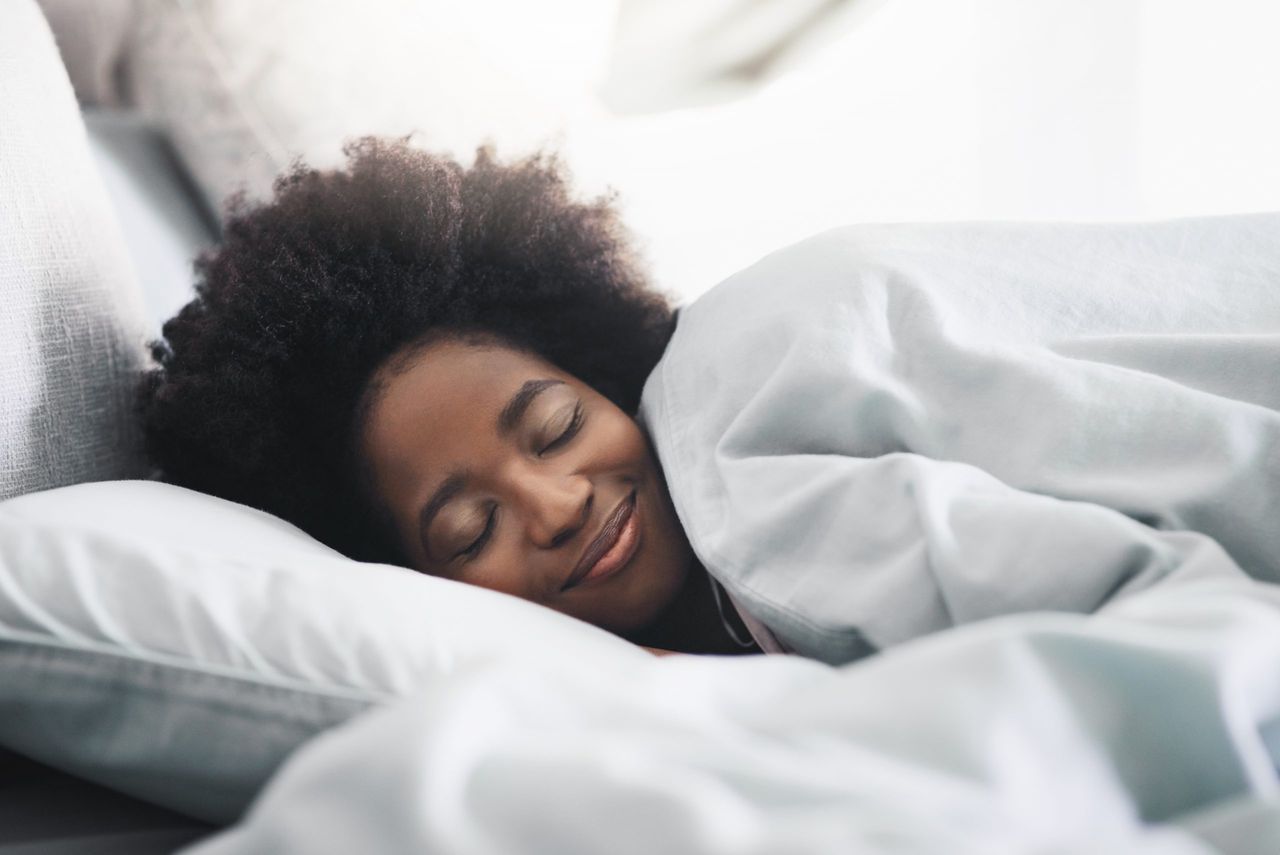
[575, 424]
[480, 541]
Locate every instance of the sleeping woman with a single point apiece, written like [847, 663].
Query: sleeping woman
[878, 433]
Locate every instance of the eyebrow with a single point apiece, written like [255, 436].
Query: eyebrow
[510, 416]
[515, 409]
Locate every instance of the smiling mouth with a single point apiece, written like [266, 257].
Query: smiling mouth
[612, 548]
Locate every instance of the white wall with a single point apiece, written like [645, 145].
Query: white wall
[962, 109]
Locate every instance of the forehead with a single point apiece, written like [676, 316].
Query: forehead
[456, 372]
[437, 407]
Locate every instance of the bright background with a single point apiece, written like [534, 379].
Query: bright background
[728, 128]
[962, 109]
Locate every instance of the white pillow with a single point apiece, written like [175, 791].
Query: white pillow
[176, 647]
[244, 87]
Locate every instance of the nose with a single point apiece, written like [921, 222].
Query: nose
[555, 506]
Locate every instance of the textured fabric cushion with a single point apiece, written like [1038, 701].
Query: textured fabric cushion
[176, 647]
[244, 87]
[92, 35]
[71, 328]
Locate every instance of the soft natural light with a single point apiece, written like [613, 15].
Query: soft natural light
[961, 109]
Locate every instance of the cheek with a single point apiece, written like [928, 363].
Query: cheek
[509, 567]
[621, 443]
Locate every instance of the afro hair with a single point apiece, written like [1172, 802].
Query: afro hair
[257, 391]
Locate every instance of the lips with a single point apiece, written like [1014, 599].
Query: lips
[612, 548]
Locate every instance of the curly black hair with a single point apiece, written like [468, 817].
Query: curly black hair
[259, 381]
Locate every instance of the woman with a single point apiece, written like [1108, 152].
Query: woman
[438, 367]
[345, 332]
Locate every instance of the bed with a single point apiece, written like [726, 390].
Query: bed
[181, 671]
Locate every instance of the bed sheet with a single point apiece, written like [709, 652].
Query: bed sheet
[47, 812]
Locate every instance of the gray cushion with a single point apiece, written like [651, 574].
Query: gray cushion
[71, 322]
[161, 212]
[92, 35]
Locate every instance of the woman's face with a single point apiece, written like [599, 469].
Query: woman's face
[502, 471]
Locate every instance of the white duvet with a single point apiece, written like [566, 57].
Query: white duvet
[885, 431]
[1151, 728]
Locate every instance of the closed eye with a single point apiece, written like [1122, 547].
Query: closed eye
[478, 544]
[571, 429]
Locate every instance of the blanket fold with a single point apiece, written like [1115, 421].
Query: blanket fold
[884, 431]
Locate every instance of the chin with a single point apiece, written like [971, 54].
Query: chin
[657, 601]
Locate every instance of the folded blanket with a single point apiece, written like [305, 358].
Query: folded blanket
[884, 431]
